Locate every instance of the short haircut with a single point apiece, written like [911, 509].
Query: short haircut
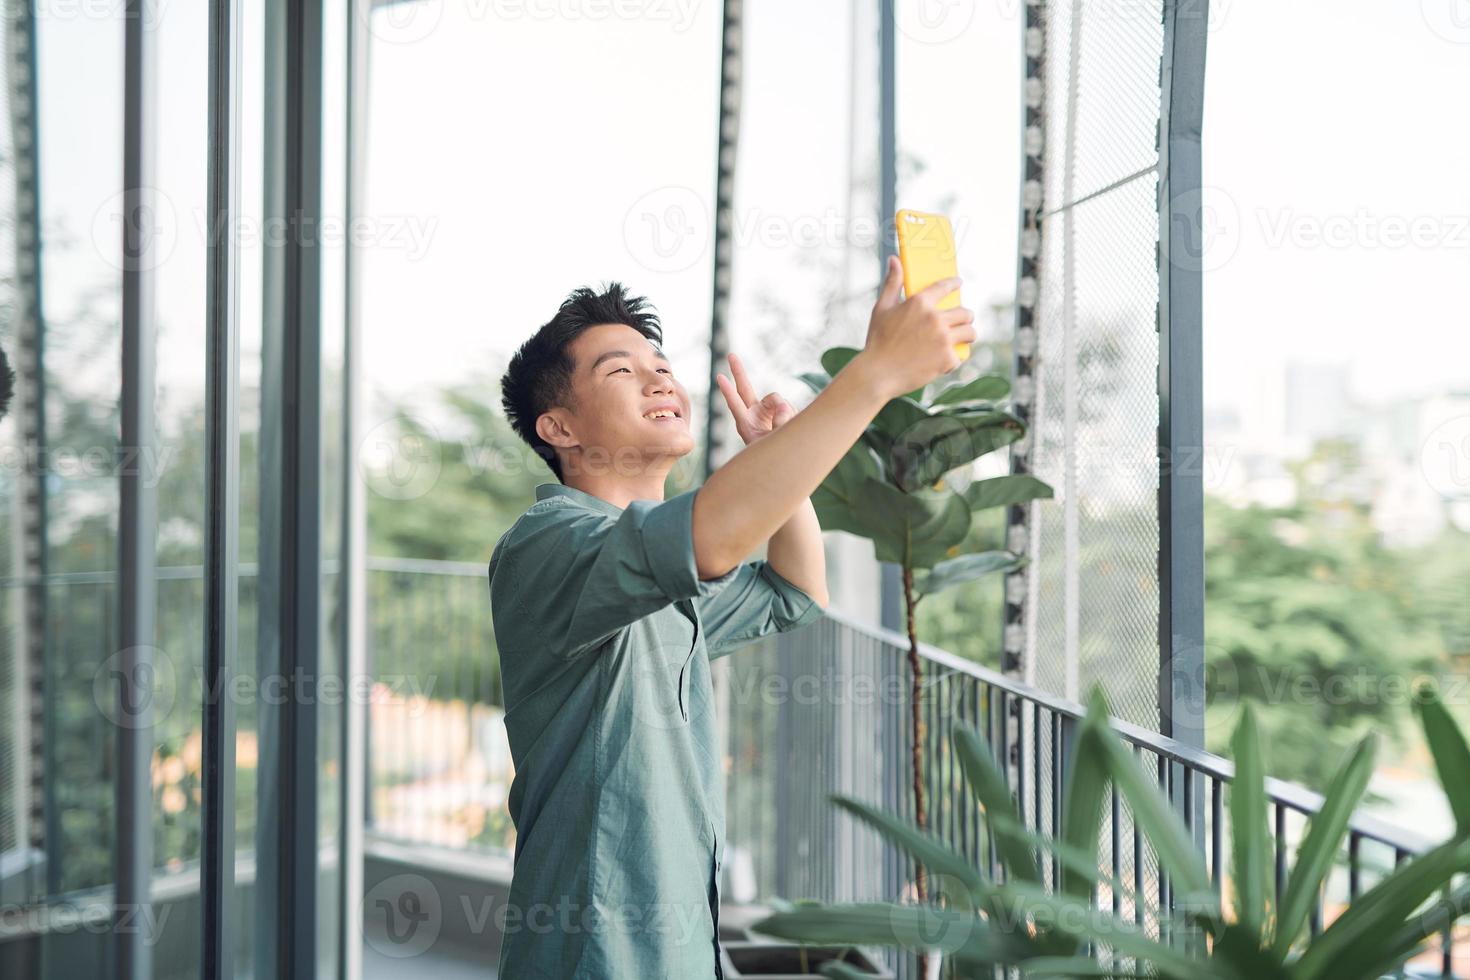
[540, 374]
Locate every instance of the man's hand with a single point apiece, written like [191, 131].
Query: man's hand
[754, 417]
[911, 343]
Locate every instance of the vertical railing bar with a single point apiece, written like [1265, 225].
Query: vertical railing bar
[1355, 869]
[1280, 850]
[1217, 811]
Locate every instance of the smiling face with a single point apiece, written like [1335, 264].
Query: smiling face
[625, 404]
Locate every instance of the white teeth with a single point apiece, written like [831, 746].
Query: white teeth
[662, 413]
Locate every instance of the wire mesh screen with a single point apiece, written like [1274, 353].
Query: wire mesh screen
[1094, 594]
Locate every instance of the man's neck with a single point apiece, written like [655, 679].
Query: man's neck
[618, 489]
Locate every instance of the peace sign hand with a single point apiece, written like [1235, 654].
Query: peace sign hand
[754, 417]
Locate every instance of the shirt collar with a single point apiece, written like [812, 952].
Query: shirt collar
[582, 497]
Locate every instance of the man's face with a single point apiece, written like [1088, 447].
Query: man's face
[626, 408]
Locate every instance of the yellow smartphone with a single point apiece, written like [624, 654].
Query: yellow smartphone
[926, 251]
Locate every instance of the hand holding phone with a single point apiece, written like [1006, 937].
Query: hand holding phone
[927, 251]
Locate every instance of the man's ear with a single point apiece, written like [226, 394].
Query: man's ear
[554, 426]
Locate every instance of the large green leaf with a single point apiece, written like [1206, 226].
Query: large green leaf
[913, 528]
[834, 359]
[1002, 491]
[988, 785]
[835, 499]
[899, 416]
[815, 380]
[906, 926]
[933, 446]
[1156, 819]
[1080, 919]
[1375, 917]
[987, 388]
[1412, 935]
[965, 568]
[1082, 809]
[1250, 847]
[1325, 833]
[1451, 755]
[927, 849]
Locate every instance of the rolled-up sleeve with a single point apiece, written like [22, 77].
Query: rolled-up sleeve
[757, 603]
[581, 576]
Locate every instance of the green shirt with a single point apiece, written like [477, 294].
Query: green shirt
[606, 633]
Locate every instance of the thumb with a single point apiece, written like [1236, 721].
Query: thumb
[888, 296]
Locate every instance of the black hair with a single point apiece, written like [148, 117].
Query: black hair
[7, 384]
[540, 374]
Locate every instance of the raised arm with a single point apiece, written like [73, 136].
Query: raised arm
[744, 502]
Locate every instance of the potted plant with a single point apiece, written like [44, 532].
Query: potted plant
[892, 488]
[1019, 924]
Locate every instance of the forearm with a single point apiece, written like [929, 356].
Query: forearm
[747, 500]
[795, 552]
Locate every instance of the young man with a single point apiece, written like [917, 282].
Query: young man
[609, 603]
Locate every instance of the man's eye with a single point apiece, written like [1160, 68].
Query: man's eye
[615, 371]
[666, 371]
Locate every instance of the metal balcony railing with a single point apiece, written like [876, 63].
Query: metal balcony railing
[819, 711]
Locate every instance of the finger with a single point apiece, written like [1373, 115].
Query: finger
[964, 333]
[742, 380]
[732, 399]
[956, 316]
[892, 282]
[936, 291]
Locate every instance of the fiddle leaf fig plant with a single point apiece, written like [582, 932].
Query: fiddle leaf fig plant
[891, 488]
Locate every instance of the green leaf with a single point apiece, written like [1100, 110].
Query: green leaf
[965, 568]
[834, 359]
[1451, 755]
[898, 416]
[989, 788]
[1002, 491]
[933, 446]
[927, 849]
[986, 388]
[1079, 918]
[834, 500]
[1250, 847]
[904, 926]
[912, 528]
[1082, 809]
[1325, 833]
[1407, 941]
[815, 380]
[1156, 819]
[1372, 921]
